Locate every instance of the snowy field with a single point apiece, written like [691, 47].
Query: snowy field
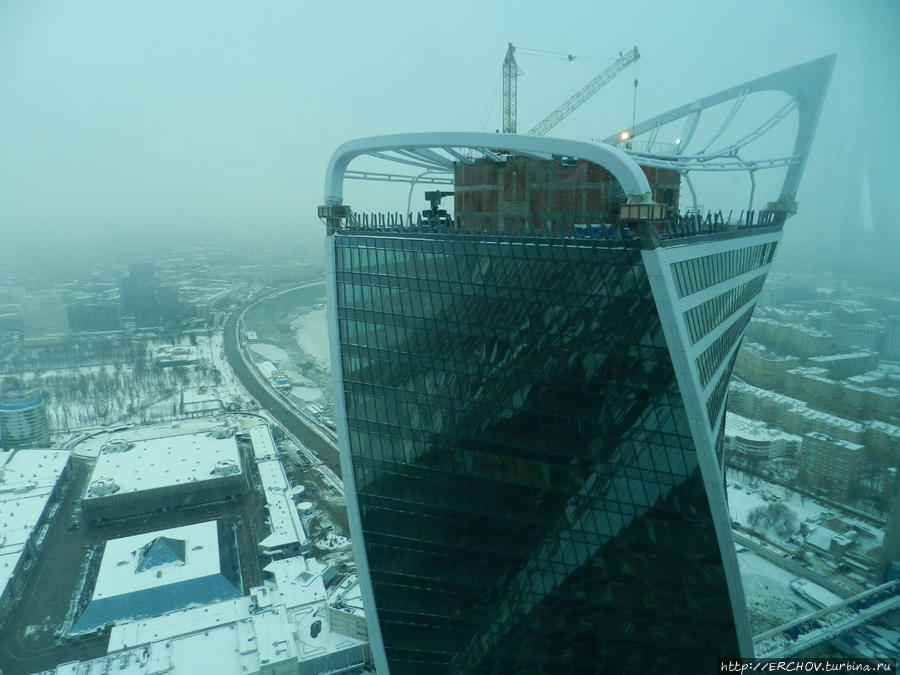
[299, 378]
[311, 329]
[767, 592]
[303, 390]
[770, 599]
[742, 500]
[296, 341]
[270, 352]
[305, 394]
[80, 397]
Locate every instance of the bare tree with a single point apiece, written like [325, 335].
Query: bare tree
[777, 517]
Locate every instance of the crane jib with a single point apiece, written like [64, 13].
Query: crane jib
[510, 77]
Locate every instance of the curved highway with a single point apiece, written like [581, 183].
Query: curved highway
[280, 409]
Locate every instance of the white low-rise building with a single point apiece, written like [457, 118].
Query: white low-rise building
[142, 476]
[29, 489]
[158, 572]
[346, 610]
[289, 624]
[287, 535]
[284, 626]
[200, 401]
[176, 355]
[756, 439]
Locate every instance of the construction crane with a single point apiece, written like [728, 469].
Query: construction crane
[510, 76]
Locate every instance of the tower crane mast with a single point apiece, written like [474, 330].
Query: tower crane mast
[510, 79]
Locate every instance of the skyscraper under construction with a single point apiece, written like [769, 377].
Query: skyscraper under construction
[530, 392]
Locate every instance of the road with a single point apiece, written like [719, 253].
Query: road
[791, 566]
[280, 409]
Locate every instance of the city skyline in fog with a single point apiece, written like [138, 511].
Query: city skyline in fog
[132, 124]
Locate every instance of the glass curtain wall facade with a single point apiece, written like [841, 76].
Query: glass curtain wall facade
[527, 482]
[23, 420]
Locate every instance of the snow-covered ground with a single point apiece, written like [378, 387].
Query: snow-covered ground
[298, 377]
[306, 394]
[270, 352]
[767, 591]
[305, 359]
[332, 542]
[266, 368]
[742, 499]
[311, 329]
[770, 599]
[229, 387]
[122, 391]
[777, 579]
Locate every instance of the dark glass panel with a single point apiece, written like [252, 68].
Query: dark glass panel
[528, 487]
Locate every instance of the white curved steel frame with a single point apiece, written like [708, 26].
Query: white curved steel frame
[436, 154]
[423, 150]
[805, 84]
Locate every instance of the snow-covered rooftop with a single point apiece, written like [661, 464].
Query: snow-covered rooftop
[822, 375]
[263, 444]
[821, 537]
[835, 358]
[27, 479]
[797, 406]
[182, 622]
[22, 470]
[242, 635]
[144, 561]
[287, 529]
[820, 597]
[736, 425]
[847, 445]
[884, 427]
[298, 581]
[796, 326]
[767, 353]
[177, 354]
[159, 462]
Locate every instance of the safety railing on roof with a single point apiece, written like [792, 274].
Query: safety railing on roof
[610, 228]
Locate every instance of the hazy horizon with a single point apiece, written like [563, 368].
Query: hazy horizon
[139, 122]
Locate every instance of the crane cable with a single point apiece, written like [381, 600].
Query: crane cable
[634, 102]
[490, 106]
[545, 53]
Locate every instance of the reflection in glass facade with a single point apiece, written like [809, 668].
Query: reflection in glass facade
[528, 486]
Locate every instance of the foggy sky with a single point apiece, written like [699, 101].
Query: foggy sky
[130, 121]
